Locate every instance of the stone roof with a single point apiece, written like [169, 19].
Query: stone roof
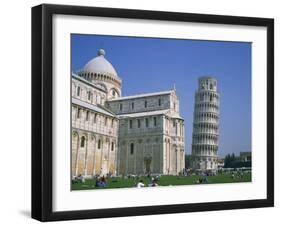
[143, 95]
[91, 107]
[150, 113]
[100, 65]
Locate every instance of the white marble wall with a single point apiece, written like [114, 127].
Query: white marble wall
[149, 134]
[94, 134]
[88, 93]
[147, 143]
[144, 104]
[107, 81]
[206, 125]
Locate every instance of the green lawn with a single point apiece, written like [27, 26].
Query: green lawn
[163, 181]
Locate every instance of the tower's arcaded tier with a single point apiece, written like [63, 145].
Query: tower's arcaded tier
[205, 125]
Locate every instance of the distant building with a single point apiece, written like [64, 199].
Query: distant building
[112, 134]
[206, 125]
[245, 156]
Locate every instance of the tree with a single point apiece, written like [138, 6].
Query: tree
[231, 161]
[188, 161]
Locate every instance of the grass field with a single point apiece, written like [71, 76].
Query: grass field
[163, 181]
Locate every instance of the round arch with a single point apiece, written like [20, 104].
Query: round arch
[113, 92]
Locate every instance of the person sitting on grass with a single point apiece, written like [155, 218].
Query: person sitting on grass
[140, 184]
[241, 174]
[199, 180]
[154, 183]
[103, 179]
[80, 178]
[205, 178]
[97, 184]
[100, 182]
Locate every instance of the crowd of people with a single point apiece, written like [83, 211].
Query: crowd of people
[237, 174]
[102, 181]
[153, 183]
[148, 180]
[79, 179]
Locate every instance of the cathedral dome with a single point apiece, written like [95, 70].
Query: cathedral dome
[100, 65]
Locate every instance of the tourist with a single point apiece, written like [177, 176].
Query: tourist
[100, 182]
[103, 180]
[140, 184]
[80, 178]
[154, 183]
[205, 178]
[97, 182]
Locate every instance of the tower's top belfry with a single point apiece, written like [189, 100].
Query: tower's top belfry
[207, 83]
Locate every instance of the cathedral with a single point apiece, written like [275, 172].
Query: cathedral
[121, 135]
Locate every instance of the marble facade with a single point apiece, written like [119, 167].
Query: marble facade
[117, 135]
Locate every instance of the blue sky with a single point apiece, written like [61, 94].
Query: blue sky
[150, 64]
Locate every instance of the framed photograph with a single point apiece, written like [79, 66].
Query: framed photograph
[145, 112]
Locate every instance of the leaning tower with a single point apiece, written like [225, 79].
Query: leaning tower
[205, 125]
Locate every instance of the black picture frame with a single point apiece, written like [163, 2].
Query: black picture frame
[42, 111]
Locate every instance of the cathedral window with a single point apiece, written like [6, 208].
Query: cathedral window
[78, 112]
[99, 144]
[139, 123]
[133, 105]
[146, 122]
[211, 86]
[155, 121]
[78, 91]
[112, 146]
[131, 124]
[82, 144]
[87, 115]
[89, 95]
[132, 148]
[95, 118]
[145, 103]
[159, 102]
[113, 93]
[105, 121]
[120, 107]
